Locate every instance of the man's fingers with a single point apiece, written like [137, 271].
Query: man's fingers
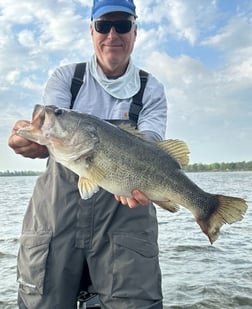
[137, 198]
[140, 197]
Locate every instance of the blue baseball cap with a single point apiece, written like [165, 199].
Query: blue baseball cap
[101, 7]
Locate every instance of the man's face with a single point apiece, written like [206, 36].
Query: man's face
[113, 49]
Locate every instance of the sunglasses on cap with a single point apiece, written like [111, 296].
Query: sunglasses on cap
[121, 26]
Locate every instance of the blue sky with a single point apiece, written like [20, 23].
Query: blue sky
[201, 50]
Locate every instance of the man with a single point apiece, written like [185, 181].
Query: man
[61, 232]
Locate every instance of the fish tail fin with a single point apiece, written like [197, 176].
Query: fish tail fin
[228, 210]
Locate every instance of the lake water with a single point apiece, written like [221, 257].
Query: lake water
[196, 275]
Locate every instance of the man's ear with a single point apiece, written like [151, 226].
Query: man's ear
[91, 29]
[135, 31]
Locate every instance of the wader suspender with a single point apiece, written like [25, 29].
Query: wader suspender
[77, 80]
[136, 104]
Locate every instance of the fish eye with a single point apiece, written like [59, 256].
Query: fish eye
[58, 111]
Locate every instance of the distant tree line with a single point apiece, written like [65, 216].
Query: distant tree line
[20, 173]
[219, 167]
[197, 167]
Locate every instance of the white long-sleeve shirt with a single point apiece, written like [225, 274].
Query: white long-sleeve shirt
[93, 99]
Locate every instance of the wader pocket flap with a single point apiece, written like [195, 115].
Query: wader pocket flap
[136, 272]
[30, 240]
[137, 244]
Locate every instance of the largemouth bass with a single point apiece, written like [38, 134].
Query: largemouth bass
[107, 156]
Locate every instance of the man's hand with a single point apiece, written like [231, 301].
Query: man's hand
[138, 198]
[23, 146]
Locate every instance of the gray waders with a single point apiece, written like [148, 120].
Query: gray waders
[62, 232]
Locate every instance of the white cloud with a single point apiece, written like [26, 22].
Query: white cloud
[183, 19]
[233, 35]
[235, 42]
[30, 84]
[12, 76]
[205, 106]
[26, 38]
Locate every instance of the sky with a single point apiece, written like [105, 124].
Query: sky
[201, 50]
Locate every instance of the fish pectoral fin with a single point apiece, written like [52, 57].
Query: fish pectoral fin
[87, 188]
[177, 149]
[168, 205]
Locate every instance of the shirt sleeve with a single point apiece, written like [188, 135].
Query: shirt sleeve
[153, 116]
[57, 90]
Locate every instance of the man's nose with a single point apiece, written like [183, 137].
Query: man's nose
[112, 32]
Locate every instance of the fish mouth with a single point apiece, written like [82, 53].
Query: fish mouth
[43, 115]
[38, 116]
[34, 131]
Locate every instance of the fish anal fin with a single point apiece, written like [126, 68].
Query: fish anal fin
[177, 149]
[228, 210]
[87, 188]
[168, 205]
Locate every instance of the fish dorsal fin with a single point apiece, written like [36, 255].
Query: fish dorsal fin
[130, 129]
[177, 149]
[87, 188]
